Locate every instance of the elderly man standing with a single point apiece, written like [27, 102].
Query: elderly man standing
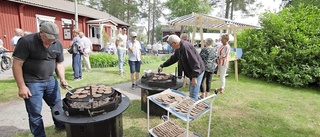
[18, 33]
[190, 61]
[35, 58]
[121, 43]
[87, 50]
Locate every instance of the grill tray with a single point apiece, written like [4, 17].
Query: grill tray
[169, 82]
[112, 104]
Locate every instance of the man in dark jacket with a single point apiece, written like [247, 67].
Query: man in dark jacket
[190, 60]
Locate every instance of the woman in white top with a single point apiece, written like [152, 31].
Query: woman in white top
[223, 63]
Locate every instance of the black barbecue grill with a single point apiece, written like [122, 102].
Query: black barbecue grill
[98, 114]
[95, 100]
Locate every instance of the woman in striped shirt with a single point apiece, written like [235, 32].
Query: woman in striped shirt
[223, 62]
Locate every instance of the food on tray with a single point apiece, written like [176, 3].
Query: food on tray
[184, 106]
[168, 98]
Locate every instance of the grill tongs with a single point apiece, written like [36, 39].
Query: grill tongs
[68, 89]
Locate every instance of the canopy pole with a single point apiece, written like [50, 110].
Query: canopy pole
[236, 61]
[193, 34]
[201, 31]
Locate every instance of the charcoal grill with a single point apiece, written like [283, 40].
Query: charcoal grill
[149, 86]
[99, 114]
[91, 100]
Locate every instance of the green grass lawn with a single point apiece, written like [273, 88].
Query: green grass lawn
[248, 107]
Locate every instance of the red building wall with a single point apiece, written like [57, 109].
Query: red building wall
[9, 20]
[14, 15]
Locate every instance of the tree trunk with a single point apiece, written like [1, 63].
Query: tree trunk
[149, 11]
[231, 11]
[128, 12]
[227, 9]
[153, 22]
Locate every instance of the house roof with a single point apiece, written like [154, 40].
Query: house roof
[208, 22]
[68, 7]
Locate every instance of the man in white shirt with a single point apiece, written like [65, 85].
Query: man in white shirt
[87, 50]
[121, 43]
[18, 33]
[134, 48]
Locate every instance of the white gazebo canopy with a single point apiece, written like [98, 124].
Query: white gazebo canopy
[203, 21]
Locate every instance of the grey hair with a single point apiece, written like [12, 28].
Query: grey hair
[209, 41]
[184, 35]
[173, 38]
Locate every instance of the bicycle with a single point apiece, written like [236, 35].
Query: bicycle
[6, 62]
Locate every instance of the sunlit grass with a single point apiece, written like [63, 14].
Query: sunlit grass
[248, 107]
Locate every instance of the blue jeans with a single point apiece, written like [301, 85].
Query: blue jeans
[121, 54]
[48, 91]
[194, 90]
[76, 65]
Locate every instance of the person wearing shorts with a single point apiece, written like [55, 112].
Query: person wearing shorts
[134, 49]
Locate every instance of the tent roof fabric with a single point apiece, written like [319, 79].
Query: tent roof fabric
[209, 22]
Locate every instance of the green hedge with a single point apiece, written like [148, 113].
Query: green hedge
[286, 50]
[102, 60]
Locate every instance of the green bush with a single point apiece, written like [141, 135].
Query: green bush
[286, 50]
[102, 60]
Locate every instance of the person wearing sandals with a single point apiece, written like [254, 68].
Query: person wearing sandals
[223, 52]
[209, 57]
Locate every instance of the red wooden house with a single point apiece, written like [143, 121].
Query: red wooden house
[99, 26]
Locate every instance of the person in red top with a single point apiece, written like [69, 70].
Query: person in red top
[223, 62]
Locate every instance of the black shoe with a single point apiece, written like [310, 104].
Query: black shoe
[216, 91]
[132, 87]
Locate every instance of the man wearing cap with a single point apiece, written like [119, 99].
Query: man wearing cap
[121, 43]
[35, 58]
[134, 48]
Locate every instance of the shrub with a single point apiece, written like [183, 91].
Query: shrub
[286, 50]
[102, 60]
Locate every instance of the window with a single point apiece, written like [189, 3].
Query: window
[94, 31]
[43, 18]
[66, 23]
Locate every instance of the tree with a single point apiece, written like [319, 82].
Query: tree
[183, 7]
[295, 3]
[247, 7]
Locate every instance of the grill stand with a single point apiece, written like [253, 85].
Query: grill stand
[146, 91]
[104, 125]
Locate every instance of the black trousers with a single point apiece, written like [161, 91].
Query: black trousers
[208, 76]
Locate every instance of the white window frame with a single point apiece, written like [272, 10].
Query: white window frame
[65, 21]
[41, 18]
